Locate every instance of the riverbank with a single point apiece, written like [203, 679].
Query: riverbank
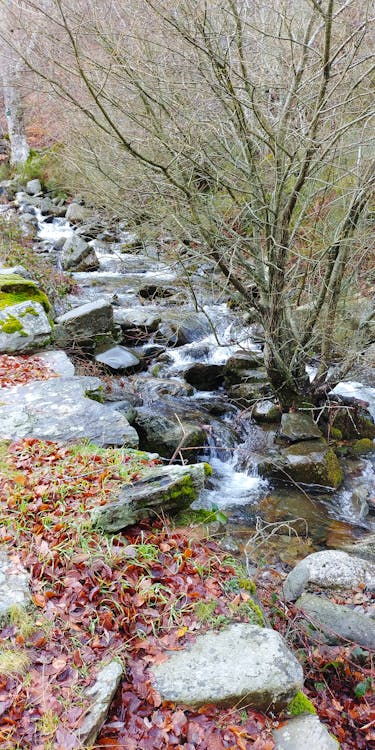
[101, 597]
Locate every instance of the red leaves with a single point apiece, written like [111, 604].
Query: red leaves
[21, 369]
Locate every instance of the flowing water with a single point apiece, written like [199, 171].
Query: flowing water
[233, 441]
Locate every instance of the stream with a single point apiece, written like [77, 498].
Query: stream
[233, 439]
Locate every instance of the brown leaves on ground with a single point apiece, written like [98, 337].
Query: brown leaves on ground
[133, 596]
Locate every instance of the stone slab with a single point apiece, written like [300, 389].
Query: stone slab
[58, 409]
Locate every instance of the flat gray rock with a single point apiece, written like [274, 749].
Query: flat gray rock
[59, 362]
[24, 327]
[329, 569]
[242, 665]
[304, 732]
[296, 426]
[14, 585]
[58, 409]
[100, 695]
[164, 489]
[337, 621]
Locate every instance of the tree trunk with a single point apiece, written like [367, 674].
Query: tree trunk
[19, 149]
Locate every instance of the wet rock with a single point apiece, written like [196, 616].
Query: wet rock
[77, 255]
[85, 324]
[266, 412]
[134, 320]
[204, 377]
[363, 548]
[119, 358]
[245, 395]
[162, 435]
[329, 569]
[100, 696]
[177, 329]
[296, 426]
[76, 213]
[336, 621]
[164, 489]
[242, 665]
[308, 462]
[155, 388]
[237, 365]
[24, 327]
[304, 731]
[58, 409]
[14, 585]
[33, 187]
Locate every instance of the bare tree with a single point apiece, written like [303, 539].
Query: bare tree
[246, 126]
[12, 69]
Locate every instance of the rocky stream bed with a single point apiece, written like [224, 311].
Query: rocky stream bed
[148, 357]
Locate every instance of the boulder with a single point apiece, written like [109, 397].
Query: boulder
[237, 365]
[14, 585]
[76, 213]
[133, 320]
[24, 327]
[204, 377]
[159, 434]
[77, 255]
[296, 426]
[177, 329]
[119, 358]
[58, 409]
[305, 731]
[336, 621]
[243, 665]
[15, 270]
[153, 389]
[164, 489]
[244, 395]
[266, 412]
[100, 696]
[329, 569]
[309, 462]
[33, 187]
[85, 324]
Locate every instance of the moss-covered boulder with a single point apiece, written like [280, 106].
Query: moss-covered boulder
[15, 289]
[310, 462]
[164, 489]
[24, 327]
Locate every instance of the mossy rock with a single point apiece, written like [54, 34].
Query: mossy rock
[15, 289]
[365, 445]
[310, 462]
[355, 425]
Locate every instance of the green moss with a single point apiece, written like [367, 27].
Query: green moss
[300, 704]
[252, 612]
[12, 325]
[208, 469]
[335, 433]
[365, 445]
[334, 471]
[247, 584]
[183, 490]
[14, 289]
